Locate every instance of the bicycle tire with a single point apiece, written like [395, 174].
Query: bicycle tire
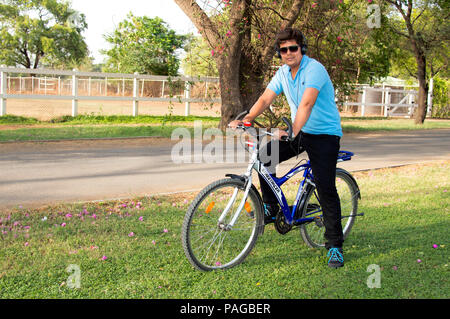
[313, 233]
[198, 225]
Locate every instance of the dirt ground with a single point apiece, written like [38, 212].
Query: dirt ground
[45, 110]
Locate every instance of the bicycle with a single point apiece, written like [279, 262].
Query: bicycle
[223, 223]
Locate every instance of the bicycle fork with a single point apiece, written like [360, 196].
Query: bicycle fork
[248, 180]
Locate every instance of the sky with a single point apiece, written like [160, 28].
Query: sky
[103, 16]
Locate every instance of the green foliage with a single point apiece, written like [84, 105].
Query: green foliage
[198, 60]
[38, 32]
[340, 38]
[431, 34]
[144, 45]
[441, 95]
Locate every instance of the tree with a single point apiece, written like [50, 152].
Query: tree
[241, 36]
[38, 32]
[340, 37]
[424, 25]
[144, 45]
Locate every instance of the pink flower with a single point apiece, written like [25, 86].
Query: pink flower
[63, 225]
[435, 246]
[27, 244]
[212, 52]
[369, 1]
[339, 39]
[131, 234]
[153, 242]
[228, 34]
[141, 218]
[68, 215]
[419, 260]
[394, 267]
[259, 36]
[314, 4]
[165, 230]
[104, 258]
[218, 263]
[94, 216]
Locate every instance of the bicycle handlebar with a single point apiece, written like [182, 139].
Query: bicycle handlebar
[285, 120]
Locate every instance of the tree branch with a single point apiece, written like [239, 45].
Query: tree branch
[201, 21]
[291, 17]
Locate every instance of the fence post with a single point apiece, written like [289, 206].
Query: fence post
[363, 102]
[74, 93]
[430, 97]
[2, 92]
[187, 95]
[387, 100]
[135, 94]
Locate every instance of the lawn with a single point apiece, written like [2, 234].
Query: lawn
[132, 249]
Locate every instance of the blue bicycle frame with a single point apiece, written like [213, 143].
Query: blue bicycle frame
[308, 178]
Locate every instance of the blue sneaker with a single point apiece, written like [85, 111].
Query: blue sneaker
[336, 256]
[270, 213]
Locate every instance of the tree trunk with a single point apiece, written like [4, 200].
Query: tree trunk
[423, 89]
[228, 68]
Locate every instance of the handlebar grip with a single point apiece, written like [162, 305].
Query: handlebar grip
[289, 124]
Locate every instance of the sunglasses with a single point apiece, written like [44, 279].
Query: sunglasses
[292, 48]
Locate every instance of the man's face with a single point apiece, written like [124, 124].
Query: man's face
[292, 59]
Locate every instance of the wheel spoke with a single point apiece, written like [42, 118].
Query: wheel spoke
[209, 245]
[313, 232]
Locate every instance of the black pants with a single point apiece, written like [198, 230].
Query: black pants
[322, 151]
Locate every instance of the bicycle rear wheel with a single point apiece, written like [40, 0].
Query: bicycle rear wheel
[209, 245]
[348, 191]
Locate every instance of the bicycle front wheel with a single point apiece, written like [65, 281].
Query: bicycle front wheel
[348, 191]
[210, 244]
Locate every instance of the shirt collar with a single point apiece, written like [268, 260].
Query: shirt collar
[303, 63]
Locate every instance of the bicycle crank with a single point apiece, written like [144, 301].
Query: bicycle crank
[281, 225]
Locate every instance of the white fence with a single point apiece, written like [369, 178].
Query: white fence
[74, 86]
[81, 86]
[388, 100]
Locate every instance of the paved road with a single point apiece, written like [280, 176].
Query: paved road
[35, 174]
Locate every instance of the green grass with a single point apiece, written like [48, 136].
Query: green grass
[407, 212]
[365, 125]
[13, 119]
[82, 132]
[93, 126]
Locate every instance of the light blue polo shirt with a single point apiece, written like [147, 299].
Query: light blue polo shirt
[325, 118]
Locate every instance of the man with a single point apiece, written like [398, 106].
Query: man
[316, 128]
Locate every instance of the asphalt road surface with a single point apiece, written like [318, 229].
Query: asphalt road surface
[37, 174]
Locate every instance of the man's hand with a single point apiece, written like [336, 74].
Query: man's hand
[237, 123]
[279, 134]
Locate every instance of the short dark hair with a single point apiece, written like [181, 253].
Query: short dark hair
[290, 34]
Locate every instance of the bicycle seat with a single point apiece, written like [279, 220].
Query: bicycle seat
[345, 156]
